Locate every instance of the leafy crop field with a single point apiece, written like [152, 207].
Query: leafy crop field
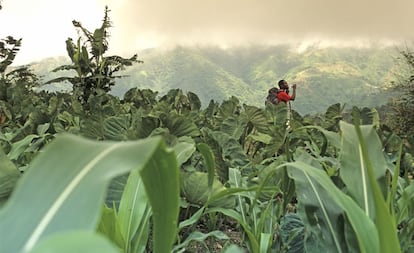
[86, 171]
[149, 174]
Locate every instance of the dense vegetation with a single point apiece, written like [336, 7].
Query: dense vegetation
[349, 76]
[158, 173]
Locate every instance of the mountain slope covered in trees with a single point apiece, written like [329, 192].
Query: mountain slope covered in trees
[324, 76]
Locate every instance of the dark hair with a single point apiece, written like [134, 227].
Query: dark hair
[280, 83]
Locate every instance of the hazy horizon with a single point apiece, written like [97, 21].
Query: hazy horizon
[44, 25]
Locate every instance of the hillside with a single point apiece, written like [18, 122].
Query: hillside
[324, 76]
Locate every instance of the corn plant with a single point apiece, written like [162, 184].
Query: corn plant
[64, 189]
[354, 212]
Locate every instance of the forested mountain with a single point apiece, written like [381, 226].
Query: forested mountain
[324, 76]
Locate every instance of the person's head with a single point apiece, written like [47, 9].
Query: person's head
[283, 84]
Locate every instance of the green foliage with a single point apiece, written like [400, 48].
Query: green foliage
[156, 171]
[74, 242]
[9, 48]
[195, 190]
[333, 203]
[95, 72]
[401, 119]
[359, 186]
[84, 170]
[292, 233]
[324, 76]
[128, 227]
[248, 184]
[8, 176]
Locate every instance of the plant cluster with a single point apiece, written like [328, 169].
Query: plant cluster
[235, 168]
[150, 173]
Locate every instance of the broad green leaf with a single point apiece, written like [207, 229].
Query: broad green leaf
[198, 236]
[228, 108]
[278, 115]
[19, 147]
[116, 128]
[193, 219]
[395, 177]
[292, 233]
[77, 241]
[333, 116]
[233, 126]
[322, 215]
[405, 203]
[8, 176]
[235, 180]
[180, 125]
[265, 242]
[365, 115]
[42, 129]
[92, 127]
[254, 244]
[194, 101]
[245, 192]
[140, 240]
[184, 149]
[161, 177]
[324, 203]
[141, 97]
[195, 189]
[234, 249]
[385, 223]
[115, 190]
[109, 226]
[231, 151]
[256, 116]
[132, 209]
[353, 165]
[333, 137]
[66, 122]
[146, 125]
[65, 188]
[260, 137]
[278, 138]
[209, 161]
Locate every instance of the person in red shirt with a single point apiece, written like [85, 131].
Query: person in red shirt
[283, 94]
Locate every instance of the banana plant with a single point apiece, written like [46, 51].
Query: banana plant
[9, 48]
[95, 71]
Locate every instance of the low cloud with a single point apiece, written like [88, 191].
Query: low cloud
[238, 22]
[44, 25]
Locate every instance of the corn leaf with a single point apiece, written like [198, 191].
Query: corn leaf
[353, 165]
[161, 177]
[78, 241]
[385, 222]
[132, 209]
[64, 188]
[325, 203]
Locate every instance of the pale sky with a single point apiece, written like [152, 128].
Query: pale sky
[44, 25]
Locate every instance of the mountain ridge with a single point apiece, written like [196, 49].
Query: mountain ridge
[324, 76]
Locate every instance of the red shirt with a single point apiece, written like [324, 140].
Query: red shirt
[283, 96]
